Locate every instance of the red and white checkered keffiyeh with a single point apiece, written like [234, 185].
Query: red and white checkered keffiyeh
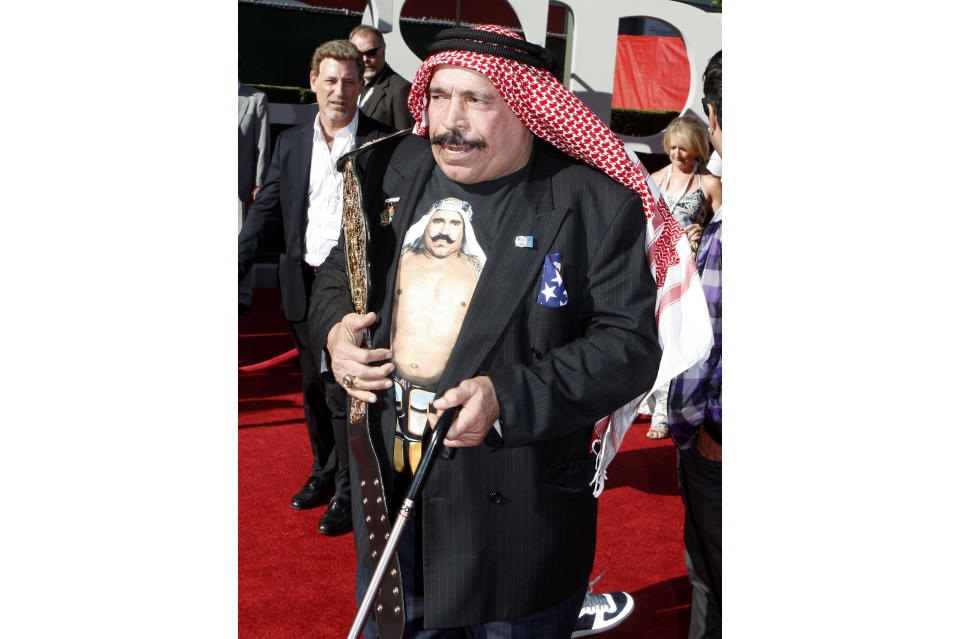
[553, 113]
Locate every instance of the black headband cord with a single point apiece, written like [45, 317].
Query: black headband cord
[489, 43]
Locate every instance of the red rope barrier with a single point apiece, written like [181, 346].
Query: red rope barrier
[270, 363]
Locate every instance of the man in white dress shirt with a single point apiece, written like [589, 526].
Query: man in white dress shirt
[304, 191]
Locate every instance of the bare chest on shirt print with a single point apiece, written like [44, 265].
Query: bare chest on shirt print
[440, 263]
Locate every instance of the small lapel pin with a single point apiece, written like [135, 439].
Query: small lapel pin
[386, 215]
[523, 241]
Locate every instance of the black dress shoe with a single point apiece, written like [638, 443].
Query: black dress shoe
[310, 496]
[336, 521]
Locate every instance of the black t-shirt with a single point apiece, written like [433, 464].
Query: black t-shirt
[489, 201]
[481, 209]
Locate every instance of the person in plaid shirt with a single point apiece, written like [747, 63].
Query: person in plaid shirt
[694, 417]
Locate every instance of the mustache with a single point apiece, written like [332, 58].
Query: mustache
[441, 236]
[455, 138]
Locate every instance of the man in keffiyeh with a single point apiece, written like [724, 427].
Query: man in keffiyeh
[504, 533]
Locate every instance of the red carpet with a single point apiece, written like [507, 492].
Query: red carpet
[294, 583]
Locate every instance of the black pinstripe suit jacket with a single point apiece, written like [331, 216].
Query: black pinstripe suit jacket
[509, 528]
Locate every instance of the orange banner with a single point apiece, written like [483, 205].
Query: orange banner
[651, 73]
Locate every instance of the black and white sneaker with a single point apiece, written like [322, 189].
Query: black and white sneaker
[601, 612]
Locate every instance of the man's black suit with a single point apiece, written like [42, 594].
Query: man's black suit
[284, 196]
[387, 103]
[509, 527]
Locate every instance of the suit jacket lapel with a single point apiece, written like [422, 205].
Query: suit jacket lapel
[378, 91]
[509, 275]
[301, 157]
[377, 96]
[414, 171]
[367, 129]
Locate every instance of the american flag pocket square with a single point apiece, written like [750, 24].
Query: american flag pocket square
[552, 291]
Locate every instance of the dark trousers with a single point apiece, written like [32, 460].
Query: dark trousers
[701, 489]
[325, 407]
[555, 622]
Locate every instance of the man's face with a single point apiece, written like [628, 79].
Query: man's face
[443, 236]
[475, 135]
[374, 56]
[337, 85]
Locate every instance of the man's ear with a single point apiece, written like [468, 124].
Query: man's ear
[313, 79]
[714, 125]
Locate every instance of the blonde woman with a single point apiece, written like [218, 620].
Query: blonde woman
[691, 192]
[693, 195]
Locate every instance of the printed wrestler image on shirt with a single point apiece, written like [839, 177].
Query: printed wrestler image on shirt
[440, 263]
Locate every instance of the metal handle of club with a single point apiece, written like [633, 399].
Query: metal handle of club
[406, 511]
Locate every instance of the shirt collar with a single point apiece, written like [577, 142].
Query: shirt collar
[348, 131]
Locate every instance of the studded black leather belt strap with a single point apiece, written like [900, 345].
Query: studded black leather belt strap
[388, 606]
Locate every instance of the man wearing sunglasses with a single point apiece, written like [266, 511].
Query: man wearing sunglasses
[384, 94]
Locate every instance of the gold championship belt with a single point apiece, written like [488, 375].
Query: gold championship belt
[355, 252]
[389, 598]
